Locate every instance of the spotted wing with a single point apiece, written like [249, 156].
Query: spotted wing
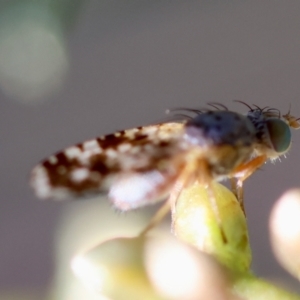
[135, 166]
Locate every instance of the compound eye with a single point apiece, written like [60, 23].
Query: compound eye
[280, 135]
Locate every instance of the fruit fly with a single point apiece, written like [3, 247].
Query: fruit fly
[143, 165]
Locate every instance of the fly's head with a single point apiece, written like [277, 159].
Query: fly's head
[272, 131]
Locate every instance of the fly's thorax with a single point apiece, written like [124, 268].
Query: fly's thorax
[224, 139]
[273, 134]
[216, 128]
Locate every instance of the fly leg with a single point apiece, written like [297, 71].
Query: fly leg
[170, 204]
[238, 191]
[215, 209]
[241, 173]
[157, 218]
[206, 179]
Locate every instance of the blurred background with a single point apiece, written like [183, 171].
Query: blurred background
[73, 70]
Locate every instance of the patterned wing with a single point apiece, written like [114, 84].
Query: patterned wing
[135, 167]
